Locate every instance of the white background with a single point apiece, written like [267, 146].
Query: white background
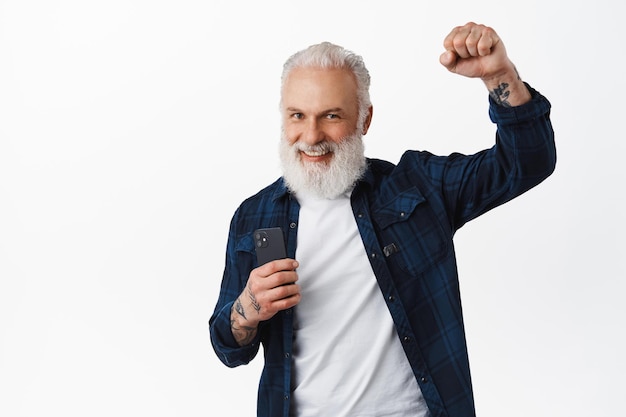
[130, 131]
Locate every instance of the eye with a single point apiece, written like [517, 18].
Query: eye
[332, 116]
[297, 116]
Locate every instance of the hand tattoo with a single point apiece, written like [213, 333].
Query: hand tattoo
[255, 303]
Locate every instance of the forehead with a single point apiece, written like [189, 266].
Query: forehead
[320, 87]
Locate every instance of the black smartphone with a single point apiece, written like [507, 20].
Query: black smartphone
[269, 244]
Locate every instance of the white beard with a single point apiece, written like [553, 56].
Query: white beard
[324, 180]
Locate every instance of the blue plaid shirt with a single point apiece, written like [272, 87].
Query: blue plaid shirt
[407, 215]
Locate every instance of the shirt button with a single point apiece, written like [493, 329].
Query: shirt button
[406, 339]
[424, 379]
[286, 355]
[360, 215]
[402, 214]
[292, 225]
[373, 255]
[391, 298]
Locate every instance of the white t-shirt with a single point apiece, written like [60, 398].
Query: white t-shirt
[347, 357]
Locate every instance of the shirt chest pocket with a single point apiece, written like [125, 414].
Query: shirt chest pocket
[246, 255]
[411, 235]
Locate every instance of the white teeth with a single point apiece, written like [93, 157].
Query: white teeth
[315, 153]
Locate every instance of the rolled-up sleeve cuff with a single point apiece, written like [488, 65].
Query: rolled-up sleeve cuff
[225, 345]
[538, 106]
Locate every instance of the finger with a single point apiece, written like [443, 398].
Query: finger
[459, 42]
[448, 40]
[272, 267]
[287, 264]
[459, 32]
[284, 291]
[448, 59]
[463, 40]
[287, 302]
[487, 42]
[472, 40]
[281, 278]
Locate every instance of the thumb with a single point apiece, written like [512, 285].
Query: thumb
[448, 60]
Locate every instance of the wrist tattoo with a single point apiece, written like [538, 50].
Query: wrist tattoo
[500, 95]
[239, 309]
[244, 334]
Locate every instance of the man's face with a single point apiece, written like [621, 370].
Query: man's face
[319, 105]
[321, 147]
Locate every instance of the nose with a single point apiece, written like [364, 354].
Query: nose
[312, 132]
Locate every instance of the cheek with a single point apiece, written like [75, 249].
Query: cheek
[339, 134]
[290, 135]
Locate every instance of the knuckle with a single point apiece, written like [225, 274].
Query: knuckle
[284, 291]
[252, 286]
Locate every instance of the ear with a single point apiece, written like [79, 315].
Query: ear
[368, 119]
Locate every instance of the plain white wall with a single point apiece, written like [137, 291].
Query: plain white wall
[130, 130]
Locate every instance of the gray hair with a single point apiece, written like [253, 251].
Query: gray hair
[329, 56]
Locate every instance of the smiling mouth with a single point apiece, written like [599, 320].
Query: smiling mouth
[316, 153]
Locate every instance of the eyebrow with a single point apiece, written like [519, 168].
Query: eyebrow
[331, 110]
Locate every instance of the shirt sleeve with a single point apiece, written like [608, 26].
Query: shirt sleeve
[224, 344]
[233, 282]
[523, 156]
